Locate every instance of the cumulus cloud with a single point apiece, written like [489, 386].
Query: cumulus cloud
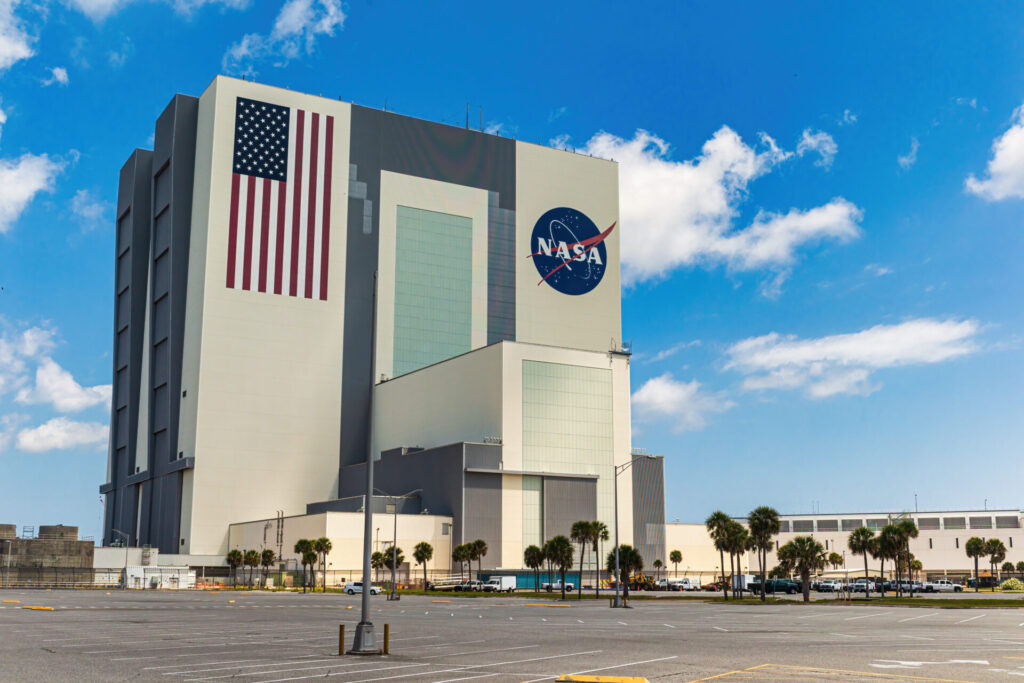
[681, 213]
[22, 179]
[669, 352]
[298, 26]
[844, 363]
[59, 75]
[1006, 167]
[89, 211]
[98, 10]
[820, 143]
[56, 386]
[848, 118]
[685, 405]
[15, 42]
[3, 120]
[910, 158]
[877, 270]
[60, 433]
[17, 349]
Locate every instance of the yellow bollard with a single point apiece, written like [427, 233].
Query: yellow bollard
[341, 639]
[387, 638]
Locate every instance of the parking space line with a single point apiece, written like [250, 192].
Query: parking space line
[964, 621]
[329, 673]
[865, 616]
[922, 616]
[246, 666]
[608, 668]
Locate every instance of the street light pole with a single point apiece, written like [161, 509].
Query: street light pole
[394, 542]
[124, 581]
[619, 469]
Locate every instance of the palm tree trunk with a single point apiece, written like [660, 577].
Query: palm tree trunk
[805, 579]
[579, 588]
[975, 574]
[725, 589]
[563, 580]
[882, 571]
[867, 585]
[760, 566]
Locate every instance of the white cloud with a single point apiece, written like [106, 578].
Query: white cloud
[910, 158]
[877, 270]
[8, 426]
[90, 211]
[296, 29]
[677, 214]
[58, 74]
[1006, 167]
[560, 141]
[670, 351]
[844, 363]
[61, 433]
[15, 43]
[3, 120]
[56, 386]
[98, 10]
[819, 142]
[848, 118]
[16, 348]
[494, 128]
[970, 102]
[684, 404]
[557, 114]
[22, 179]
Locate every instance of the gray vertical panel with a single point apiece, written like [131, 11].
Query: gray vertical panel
[566, 501]
[649, 508]
[483, 514]
[131, 260]
[501, 272]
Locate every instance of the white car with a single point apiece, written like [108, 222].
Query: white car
[830, 586]
[354, 587]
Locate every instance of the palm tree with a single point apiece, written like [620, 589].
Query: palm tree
[890, 547]
[630, 563]
[303, 546]
[1007, 567]
[392, 562]
[975, 547]
[533, 558]
[600, 533]
[806, 555]
[377, 562]
[322, 546]
[251, 560]
[267, 558]
[582, 532]
[461, 554]
[234, 560]
[835, 559]
[908, 530]
[996, 552]
[423, 553]
[717, 525]
[479, 551]
[1020, 567]
[916, 567]
[658, 564]
[561, 552]
[764, 524]
[675, 557]
[738, 543]
[309, 557]
[859, 543]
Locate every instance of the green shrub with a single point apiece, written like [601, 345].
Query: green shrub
[1012, 585]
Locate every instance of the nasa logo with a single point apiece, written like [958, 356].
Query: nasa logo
[569, 251]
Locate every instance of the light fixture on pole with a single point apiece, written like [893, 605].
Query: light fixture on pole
[619, 469]
[394, 542]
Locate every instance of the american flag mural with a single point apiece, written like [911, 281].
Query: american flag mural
[280, 221]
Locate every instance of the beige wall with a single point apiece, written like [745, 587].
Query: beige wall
[262, 371]
[546, 179]
[345, 530]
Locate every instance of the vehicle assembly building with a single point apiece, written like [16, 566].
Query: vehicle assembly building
[302, 282]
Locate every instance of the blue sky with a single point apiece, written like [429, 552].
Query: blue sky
[821, 218]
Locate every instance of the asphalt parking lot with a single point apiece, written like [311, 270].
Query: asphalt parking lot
[276, 637]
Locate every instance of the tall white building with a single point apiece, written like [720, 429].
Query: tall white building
[303, 281]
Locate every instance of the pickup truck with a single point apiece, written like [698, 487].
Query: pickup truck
[942, 586]
[864, 585]
[830, 586]
[557, 586]
[773, 586]
[467, 586]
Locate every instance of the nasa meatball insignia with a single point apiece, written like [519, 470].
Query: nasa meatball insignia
[569, 251]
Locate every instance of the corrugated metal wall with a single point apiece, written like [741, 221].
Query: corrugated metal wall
[567, 501]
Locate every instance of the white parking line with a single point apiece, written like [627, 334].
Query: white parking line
[865, 616]
[922, 616]
[175, 666]
[480, 652]
[248, 666]
[718, 628]
[330, 673]
[607, 668]
[964, 621]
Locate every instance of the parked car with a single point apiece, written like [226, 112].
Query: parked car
[557, 586]
[466, 586]
[772, 586]
[500, 584]
[942, 586]
[864, 585]
[830, 586]
[713, 586]
[356, 587]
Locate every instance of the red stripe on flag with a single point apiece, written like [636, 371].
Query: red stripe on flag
[326, 227]
[250, 200]
[279, 254]
[233, 230]
[265, 234]
[296, 203]
[311, 211]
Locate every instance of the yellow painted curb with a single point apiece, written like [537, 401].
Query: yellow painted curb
[602, 679]
[230, 601]
[12, 601]
[37, 607]
[440, 601]
[349, 607]
[544, 604]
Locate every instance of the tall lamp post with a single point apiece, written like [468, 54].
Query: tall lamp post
[7, 565]
[394, 542]
[619, 469]
[124, 581]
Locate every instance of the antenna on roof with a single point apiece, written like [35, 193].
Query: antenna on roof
[481, 119]
[467, 115]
